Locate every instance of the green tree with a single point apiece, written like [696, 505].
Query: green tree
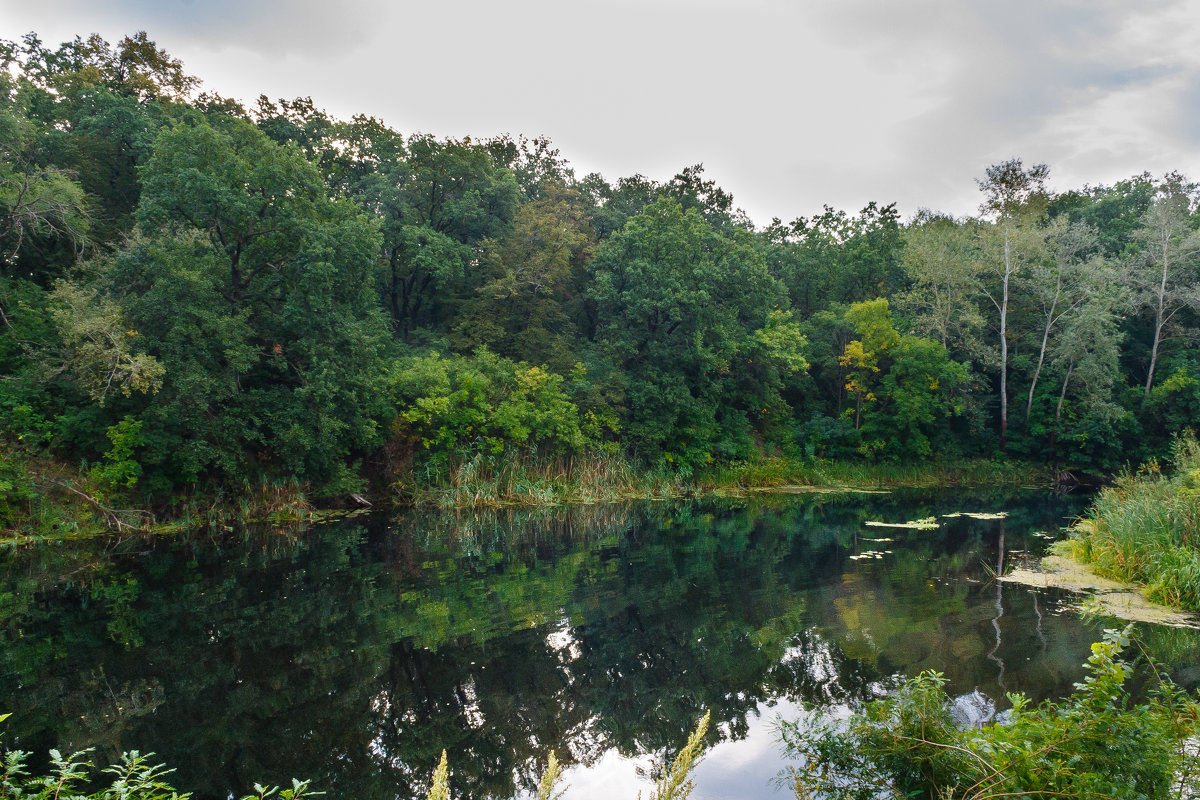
[254, 290]
[680, 304]
[837, 258]
[1071, 278]
[903, 385]
[437, 206]
[1165, 276]
[527, 311]
[941, 259]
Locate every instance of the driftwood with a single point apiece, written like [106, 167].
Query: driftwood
[118, 519]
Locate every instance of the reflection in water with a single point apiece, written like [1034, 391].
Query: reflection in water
[353, 653]
[1000, 608]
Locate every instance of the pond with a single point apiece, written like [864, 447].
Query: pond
[352, 653]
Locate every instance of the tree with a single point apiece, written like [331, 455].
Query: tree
[254, 290]
[101, 351]
[1014, 197]
[902, 385]
[36, 199]
[1164, 276]
[941, 258]
[679, 304]
[1087, 354]
[837, 258]
[1064, 284]
[527, 311]
[436, 208]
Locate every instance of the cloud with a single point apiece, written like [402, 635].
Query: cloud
[789, 104]
[268, 26]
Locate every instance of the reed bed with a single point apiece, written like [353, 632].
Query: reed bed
[482, 482]
[1145, 529]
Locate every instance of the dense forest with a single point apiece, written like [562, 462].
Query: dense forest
[199, 296]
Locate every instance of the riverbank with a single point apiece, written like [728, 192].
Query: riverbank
[1101, 595]
[474, 485]
[1145, 529]
[58, 503]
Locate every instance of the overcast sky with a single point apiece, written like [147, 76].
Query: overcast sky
[790, 105]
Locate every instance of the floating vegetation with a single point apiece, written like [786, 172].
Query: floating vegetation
[1107, 597]
[815, 490]
[1044, 535]
[927, 524]
[977, 515]
[880, 539]
[870, 554]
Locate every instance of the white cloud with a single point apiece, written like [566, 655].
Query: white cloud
[790, 105]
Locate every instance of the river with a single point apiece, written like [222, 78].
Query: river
[352, 652]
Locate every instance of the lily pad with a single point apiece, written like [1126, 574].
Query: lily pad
[927, 524]
[977, 515]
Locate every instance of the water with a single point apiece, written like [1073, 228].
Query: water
[353, 653]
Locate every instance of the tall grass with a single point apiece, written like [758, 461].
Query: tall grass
[1146, 529]
[483, 481]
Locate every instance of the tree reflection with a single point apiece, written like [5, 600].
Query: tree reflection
[353, 653]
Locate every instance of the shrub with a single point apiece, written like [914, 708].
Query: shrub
[1091, 745]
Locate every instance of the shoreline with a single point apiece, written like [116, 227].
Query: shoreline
[54, 514]
[1104, 596]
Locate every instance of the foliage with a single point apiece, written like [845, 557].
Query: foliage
[134, 777]
[702, 365]
[454, 409]
[100, 350]
[903, 386]
[1090, 745]
[676, 783]
[439, 789]
[1146, 528]
[528, 310]
[122, 470]
[250, 284]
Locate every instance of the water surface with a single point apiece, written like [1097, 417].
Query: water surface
[353, 653]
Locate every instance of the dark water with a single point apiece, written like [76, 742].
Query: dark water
[353, 653]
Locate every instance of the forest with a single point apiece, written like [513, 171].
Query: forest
[205, 298]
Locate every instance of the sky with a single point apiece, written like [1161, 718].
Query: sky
[789, 104]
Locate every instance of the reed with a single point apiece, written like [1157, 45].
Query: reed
[1145, 529]
[526, 480]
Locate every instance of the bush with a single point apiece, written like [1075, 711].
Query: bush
[454, 409]
[1091, 745]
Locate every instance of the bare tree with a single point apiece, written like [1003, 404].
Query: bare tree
[1062, 284]
[1164, 276]
[1014, 198]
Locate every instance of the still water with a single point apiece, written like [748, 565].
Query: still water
[352, 653]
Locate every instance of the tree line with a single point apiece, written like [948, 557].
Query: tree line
[196, 292]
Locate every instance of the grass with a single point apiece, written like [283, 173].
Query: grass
[1145, 529]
